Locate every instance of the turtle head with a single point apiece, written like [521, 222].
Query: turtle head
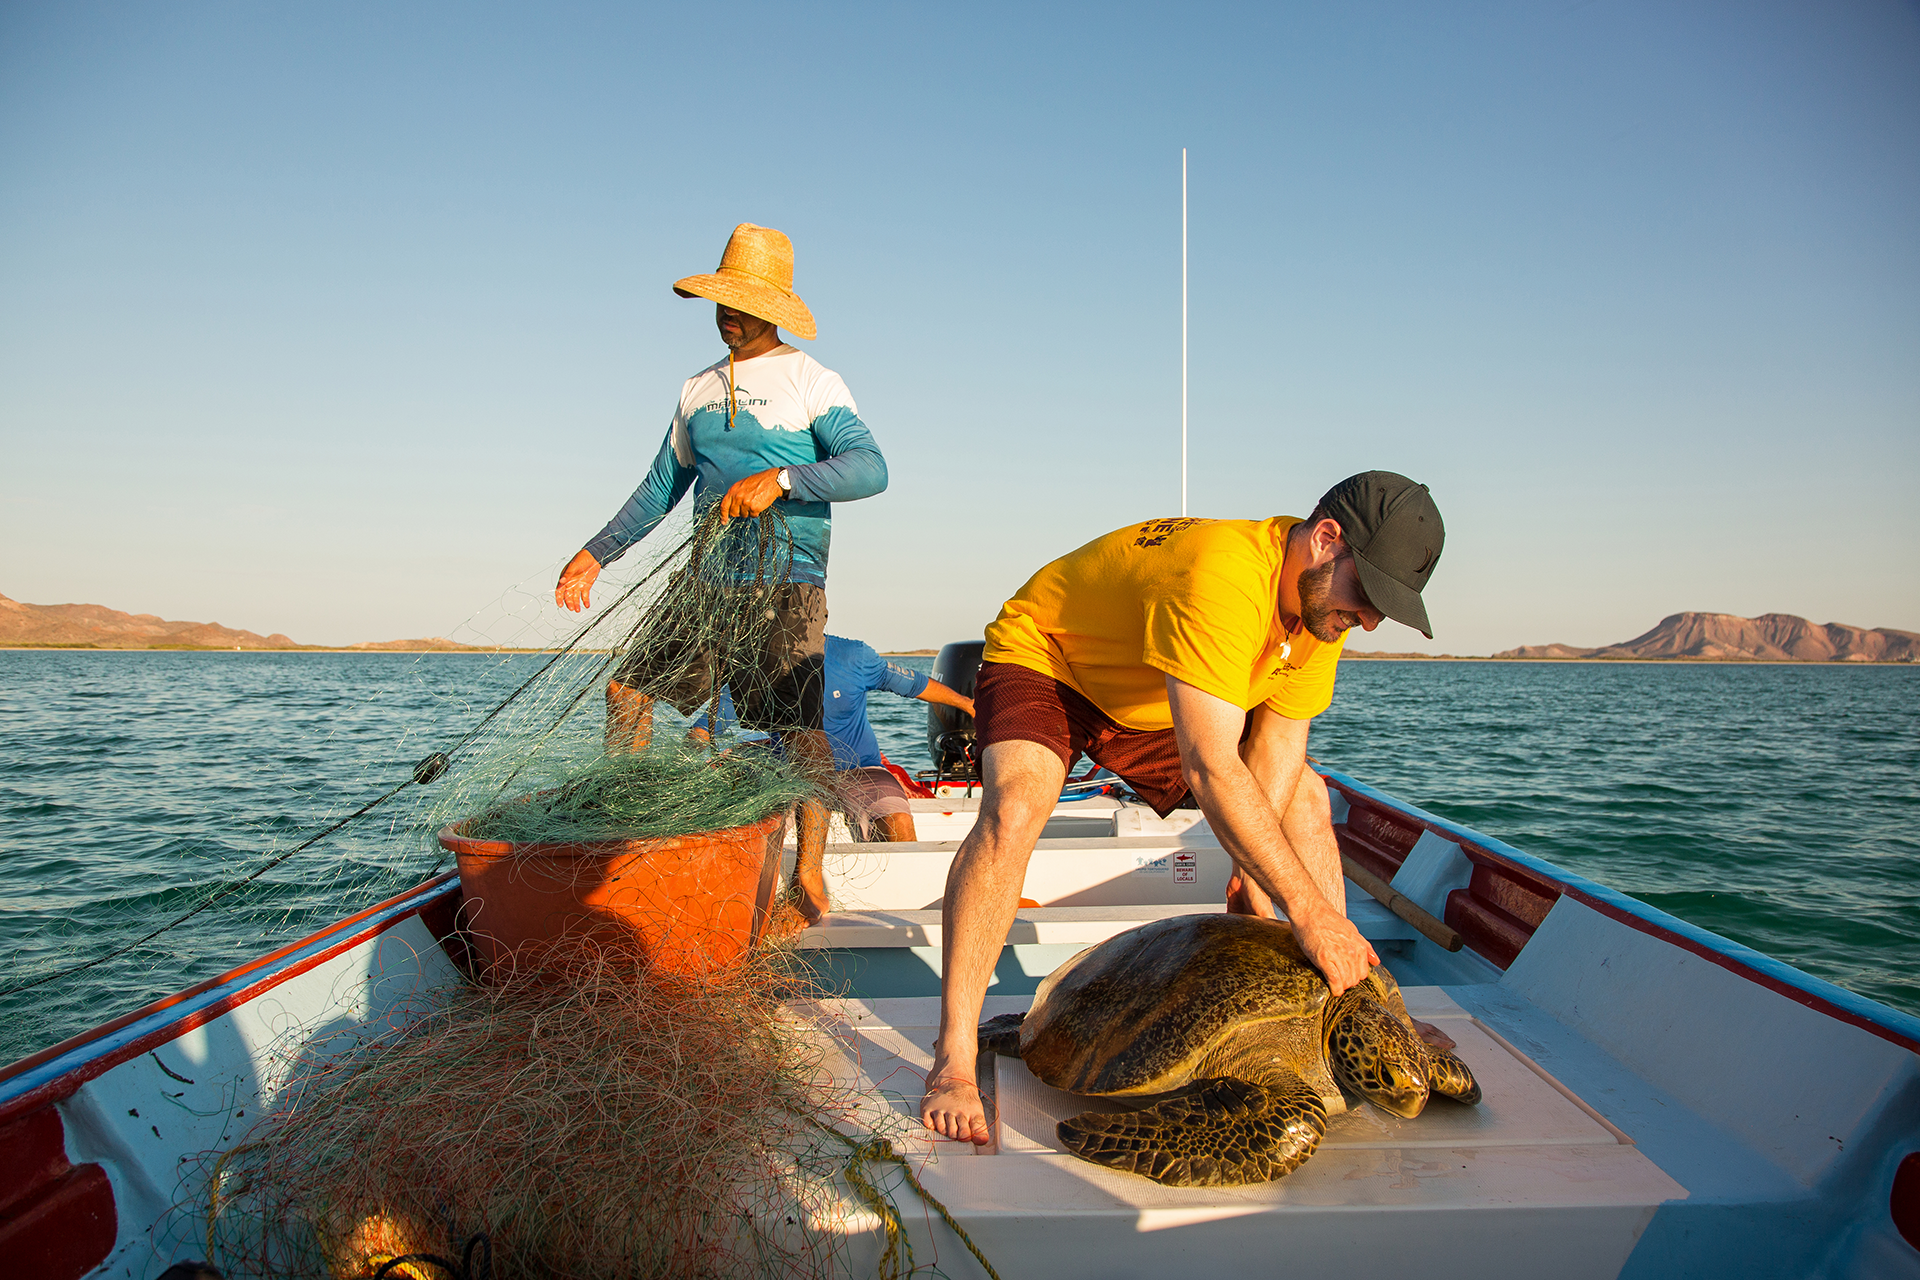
[1374, 1055]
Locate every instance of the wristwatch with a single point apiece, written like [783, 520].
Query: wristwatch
[784, 480]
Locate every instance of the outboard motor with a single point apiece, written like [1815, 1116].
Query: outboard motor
[949, 729]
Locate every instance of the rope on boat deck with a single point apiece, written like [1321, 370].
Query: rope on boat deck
[879, 1149]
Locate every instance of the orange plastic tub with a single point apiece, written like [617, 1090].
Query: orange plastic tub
[690, 903]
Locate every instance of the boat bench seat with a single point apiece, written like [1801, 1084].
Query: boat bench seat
[1081, 926]
[1470, 1191]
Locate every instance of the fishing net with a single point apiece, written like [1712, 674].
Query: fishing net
[686, 619]
[585, 1116]
[668, 790]
[697, 634]
[585, 1108]
[580, 1110]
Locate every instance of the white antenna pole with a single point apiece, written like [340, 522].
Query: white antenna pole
[1183, 331]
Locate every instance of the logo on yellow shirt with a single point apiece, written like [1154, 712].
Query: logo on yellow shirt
[1155, 532]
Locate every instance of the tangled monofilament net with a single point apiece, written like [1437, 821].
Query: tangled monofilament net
[693, 633]
[696, 611]
[592, 1117]
[586, 1113]
[667, 790]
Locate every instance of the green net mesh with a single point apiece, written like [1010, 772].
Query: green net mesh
[619, 1122]
[580, 1118]
[701, 632]
[693, 610]
[667, 790]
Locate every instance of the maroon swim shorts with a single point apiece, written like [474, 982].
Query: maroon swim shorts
[1012, 703]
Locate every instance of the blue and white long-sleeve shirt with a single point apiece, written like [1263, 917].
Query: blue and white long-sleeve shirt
[788, 411]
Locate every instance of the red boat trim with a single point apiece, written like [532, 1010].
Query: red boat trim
[1904, 1201]
[64, 1085]
[57, 1220]
[1625, 915]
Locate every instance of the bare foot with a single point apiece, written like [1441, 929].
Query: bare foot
[952, 1109]
[1434, 1037]
[809, 898]
[809, 884]
[785, 919]
[1245, 898]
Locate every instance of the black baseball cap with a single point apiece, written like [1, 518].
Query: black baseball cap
[1394, 531]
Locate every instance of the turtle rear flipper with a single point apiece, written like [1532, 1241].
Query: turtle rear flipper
[1001, 1035]
[1450, 1078]
[1221, 1132]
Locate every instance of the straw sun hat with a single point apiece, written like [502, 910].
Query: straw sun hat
[755, 276]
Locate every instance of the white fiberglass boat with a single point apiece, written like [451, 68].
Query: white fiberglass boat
[1658, 1101]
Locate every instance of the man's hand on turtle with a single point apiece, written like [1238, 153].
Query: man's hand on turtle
[751, 495]
[1336, 948]
[575, 588]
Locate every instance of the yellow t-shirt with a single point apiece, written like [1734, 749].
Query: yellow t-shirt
[1198, 600]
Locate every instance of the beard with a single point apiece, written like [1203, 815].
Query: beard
[1317, 615]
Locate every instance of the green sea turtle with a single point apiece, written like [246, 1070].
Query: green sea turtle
[1222, 1026]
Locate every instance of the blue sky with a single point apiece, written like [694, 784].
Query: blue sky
[352, 321]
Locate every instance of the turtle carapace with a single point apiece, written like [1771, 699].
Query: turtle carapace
[1220, 1025]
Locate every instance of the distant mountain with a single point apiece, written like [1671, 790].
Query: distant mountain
[1771, 637]
[1545, 651]
[92, 626]
[437, 644]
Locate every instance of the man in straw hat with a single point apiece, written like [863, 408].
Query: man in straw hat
[767, 424]
[1189, 657]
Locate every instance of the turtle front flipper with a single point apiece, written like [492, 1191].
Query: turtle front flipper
[1220, 1133]
[1450, 1077]
[1001, 1035]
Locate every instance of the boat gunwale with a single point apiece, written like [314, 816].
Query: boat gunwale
[237, 986]
[23, 1087]
[1882, 1020]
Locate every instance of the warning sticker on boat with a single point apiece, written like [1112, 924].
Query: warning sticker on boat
[1186, 867]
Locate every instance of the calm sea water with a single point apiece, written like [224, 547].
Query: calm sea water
[1779, 806]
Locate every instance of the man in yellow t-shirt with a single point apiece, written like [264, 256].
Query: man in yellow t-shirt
[1189, 657]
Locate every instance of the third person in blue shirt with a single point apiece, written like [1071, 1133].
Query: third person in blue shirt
[870, 792]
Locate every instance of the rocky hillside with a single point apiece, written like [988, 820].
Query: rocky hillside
[95, 626]
[92, 626]
[1771, 637]
[1544, 651]
[435, 644]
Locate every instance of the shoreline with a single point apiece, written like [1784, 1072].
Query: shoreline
[1644, 662]
[1354, 657]
[213, 648]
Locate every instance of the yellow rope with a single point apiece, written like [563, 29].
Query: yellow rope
[897, 1243]
[877, 1200]
[214, 1198]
